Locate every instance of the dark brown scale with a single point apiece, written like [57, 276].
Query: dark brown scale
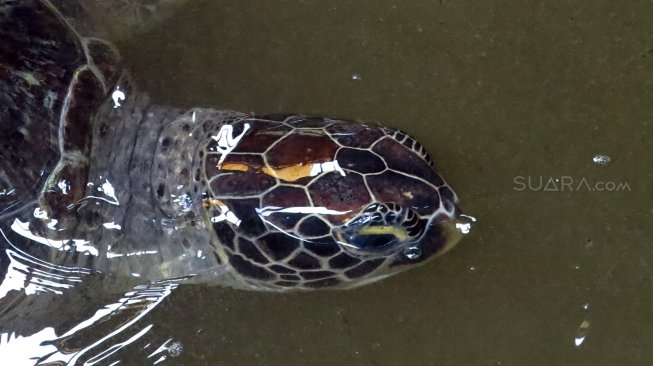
[411, 144]
[260, 136]
[399, 136]
[277, 245]
[284, 196]
[281, 269]
[327, 282]
[242, 184]
[249, 269]
[355, 135]
[361, 161]
[290, 277]
[401, 159]
[225, 234]
[343, 260]
[313, 227]
[249, 251]
[364, 268]
[245, 209]
[323, 247]
[253, 162]
[408, 192]
[339, 193]
[304, 261]
[301, 147]
[314, 275]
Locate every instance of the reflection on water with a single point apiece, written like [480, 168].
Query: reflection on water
[117, 323]
[583, 328]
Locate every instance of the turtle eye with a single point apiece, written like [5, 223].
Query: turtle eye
[380, 229]
[372, 243]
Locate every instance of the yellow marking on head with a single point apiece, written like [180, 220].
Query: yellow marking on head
[289, 173]
[398, 232]
[234, 166]
[208, 202]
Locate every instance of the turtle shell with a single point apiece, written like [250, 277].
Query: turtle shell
[52, 80]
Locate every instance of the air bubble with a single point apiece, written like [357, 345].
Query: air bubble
[175, 349]
[601, 159]
[583, 328]
[413, 253]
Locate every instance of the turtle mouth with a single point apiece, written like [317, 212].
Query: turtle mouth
[441, 235]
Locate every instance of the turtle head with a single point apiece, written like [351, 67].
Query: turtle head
[311, 202]
[413, 215]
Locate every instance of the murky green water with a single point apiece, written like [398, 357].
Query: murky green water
[497, 91]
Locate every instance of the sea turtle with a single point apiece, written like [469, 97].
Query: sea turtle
[94, 177]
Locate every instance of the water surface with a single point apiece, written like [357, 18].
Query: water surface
[499, 93]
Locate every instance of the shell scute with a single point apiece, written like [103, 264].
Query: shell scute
[354, 135]
[259, 136]
[301, 147]
[323, 247]
[339, 193]
[361, 161]
[343, 260]
[242, 184]
[277, 245]
[249, 269]
[304, 261]
[283, 197]
[404, 190]
[398, 159]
